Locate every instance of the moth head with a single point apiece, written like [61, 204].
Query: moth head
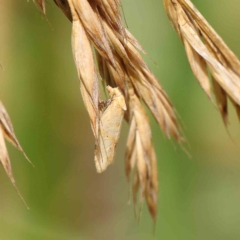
[117, 96]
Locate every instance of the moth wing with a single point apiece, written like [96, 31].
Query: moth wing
[109, 130]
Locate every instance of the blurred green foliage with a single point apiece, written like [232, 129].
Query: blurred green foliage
[198, 197]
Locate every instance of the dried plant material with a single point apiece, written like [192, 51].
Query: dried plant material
[63, 4]
[41, 4]
[109, 129]
[207, 52]
[87, 74]
[221, 97]
[199, 68]
[140, 156]
[98, 30]
[6, 131]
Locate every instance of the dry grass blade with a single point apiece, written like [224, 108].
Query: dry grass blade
[98, 30]
[206, 51]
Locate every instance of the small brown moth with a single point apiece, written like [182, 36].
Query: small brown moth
[109, 129]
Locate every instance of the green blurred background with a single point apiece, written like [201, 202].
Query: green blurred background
[199, 198]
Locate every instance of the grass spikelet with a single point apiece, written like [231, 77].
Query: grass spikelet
[207, 52]
[140, 156]
[6, 131]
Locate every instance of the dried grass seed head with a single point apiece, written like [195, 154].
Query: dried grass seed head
[207, 52]
[98, 30]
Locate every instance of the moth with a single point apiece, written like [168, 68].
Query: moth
[110, 122]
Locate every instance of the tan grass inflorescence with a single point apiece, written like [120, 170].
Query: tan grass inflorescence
[105, 51]
[98, 32]
[207, 53]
